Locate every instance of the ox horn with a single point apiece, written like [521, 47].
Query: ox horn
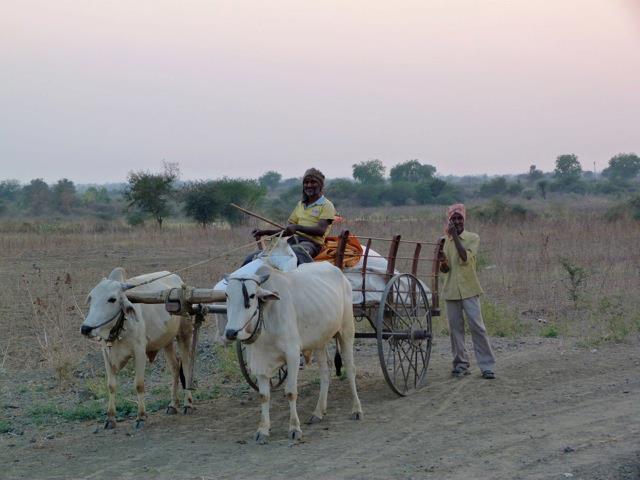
[126, 286]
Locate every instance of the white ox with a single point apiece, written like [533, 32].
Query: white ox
[279, 315]
[139, 331]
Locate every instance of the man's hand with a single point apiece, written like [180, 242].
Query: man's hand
[290, 230]
[256, 233]
[443, 262]
[451, 229]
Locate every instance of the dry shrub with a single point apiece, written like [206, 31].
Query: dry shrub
[56, 316]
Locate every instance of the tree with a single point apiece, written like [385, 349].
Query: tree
[534, 174]
[64, 195]
[202, 201]
[150, 193]
[437, 187]
[9, 190]
[95, 195]
[568, 168]
[542, 186]
[495, 186]
[270, 180]
[399, 193]
[369, 172]
[246, 193]
[514, 189]
[411, 171]
[622, 167]
[36, 196]
[340, 190]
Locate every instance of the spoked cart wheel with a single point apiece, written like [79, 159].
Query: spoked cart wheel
[277, 380]
[404, 333]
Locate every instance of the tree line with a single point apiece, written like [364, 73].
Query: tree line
[156, 196]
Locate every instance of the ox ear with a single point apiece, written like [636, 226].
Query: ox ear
[267, 295]
[127, 308]
[117, 274]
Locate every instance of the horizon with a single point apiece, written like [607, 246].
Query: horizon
[181, 180]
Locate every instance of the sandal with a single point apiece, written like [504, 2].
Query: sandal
[459, 372]
[488, 375]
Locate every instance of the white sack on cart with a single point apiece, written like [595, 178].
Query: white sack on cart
[375, 278]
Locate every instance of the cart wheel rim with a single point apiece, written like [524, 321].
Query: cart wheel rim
[404, 333]
[277, 380]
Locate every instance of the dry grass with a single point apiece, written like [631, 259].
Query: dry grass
[47, 272]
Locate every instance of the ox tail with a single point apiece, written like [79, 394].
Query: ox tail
[337, 360]
[183, 380]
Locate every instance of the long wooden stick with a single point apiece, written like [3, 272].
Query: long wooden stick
[256, 216]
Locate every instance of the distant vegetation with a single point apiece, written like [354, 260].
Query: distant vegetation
[148, 196]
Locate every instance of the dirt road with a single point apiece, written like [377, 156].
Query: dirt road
[555, 411]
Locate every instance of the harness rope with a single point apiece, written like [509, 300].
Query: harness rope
[202, 262]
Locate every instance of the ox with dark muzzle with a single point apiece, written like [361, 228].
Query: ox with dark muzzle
[128, 330]
[279, 315]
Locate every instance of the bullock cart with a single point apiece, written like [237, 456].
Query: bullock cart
[391, 306]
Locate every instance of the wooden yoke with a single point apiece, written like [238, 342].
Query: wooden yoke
[189, 295]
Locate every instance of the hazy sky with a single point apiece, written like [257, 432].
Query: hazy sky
[92, 89]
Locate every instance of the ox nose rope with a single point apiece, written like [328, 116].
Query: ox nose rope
[114, 333]
[108, 321]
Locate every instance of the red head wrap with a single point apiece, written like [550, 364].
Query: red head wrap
[453, 209]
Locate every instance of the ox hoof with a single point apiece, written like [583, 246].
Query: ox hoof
[110, 424]
[313, 419]
[171, 410]
[139, 424]
[261, 438]
[187, 410]
[356, 416]
[295, 434]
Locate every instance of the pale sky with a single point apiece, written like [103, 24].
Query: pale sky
[92, 89]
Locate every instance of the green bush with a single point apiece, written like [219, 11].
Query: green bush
[5, 426]
[136, 218]
[498, 211]
[499, 321]
[549, 331]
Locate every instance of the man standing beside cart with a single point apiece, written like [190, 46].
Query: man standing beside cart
[461, 293]
[310, 221]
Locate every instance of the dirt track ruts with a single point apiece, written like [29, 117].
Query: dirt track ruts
[553, 410]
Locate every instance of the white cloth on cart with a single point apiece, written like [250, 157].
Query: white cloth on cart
[280, 257]
[375, 278]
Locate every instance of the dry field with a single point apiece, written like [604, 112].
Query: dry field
[562, 280]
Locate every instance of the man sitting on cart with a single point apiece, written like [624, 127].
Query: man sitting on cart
[309, 223]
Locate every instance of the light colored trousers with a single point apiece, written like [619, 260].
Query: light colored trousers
[484, 355]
